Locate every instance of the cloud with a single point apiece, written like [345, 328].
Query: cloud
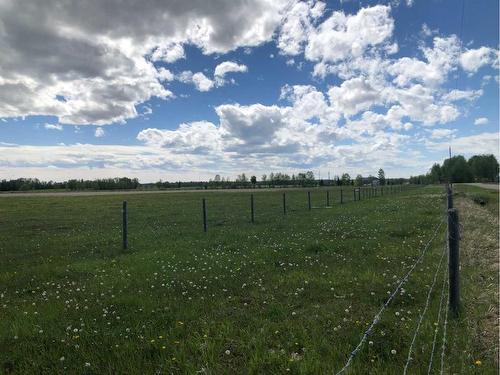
[456, 95]
[53, 126]
[341, 36]
[440, 61]
[481, 121]
[200, 81]
[298, 25]
[472, 60]
[169, 53]
[93, 64]
[353, 96]
[229, 67]
[203, 83]
[99, 132]
[199, 137]
[96, 69]
[487, 143]
[442, 133]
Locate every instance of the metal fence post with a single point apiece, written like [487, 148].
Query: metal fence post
[327, 198]
[341, 196]
[284, 204]
[309, 199]
[124, 225]
[354, 194]
[454, 260]
[449, 194]
[204, 215]
[252, 208]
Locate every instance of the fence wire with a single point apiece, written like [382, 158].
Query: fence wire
[422, 315]
[376, 318]
[436, 330]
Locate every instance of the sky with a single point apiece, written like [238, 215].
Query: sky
[185, 90]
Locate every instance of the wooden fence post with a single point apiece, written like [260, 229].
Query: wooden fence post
[354, 194]
[454, 260]
[309, 199]
[204, 205]
[341, 196]
[124, 225]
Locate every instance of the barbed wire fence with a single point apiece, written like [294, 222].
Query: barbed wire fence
[344, 196]
[377, 316]
[450, 279]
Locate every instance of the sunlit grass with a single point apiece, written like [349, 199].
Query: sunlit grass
[290, 293]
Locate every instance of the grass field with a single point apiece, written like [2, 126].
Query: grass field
[287, 294]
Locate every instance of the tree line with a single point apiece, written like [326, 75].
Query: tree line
[25, 184]
[274, 179]
[479, 168]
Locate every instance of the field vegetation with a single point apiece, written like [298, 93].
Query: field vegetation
[290, 293]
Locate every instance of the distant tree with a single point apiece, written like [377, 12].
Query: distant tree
[241, 178]
[456, 169]
[346, 179]
[217, 178]
[436, 174]
[484, 167]
[310, 176]
[253, 180]
[381, 176]
[263, 178]
[359, 180]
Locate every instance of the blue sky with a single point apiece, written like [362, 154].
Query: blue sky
[180, 92]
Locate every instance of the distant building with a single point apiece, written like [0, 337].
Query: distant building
[371, 181]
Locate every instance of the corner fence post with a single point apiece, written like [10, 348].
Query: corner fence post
[309, 199]
[204, 206]
[284, 204]
[454, 260]
[124, 225]
[252, 213]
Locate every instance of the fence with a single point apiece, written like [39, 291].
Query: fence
[358, 194]
[453, 303]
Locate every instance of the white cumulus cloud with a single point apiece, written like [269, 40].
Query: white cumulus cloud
[481, 121]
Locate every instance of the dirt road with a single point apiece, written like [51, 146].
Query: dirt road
[130, 192]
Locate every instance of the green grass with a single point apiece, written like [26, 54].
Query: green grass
[288, 294]
[479, 195]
